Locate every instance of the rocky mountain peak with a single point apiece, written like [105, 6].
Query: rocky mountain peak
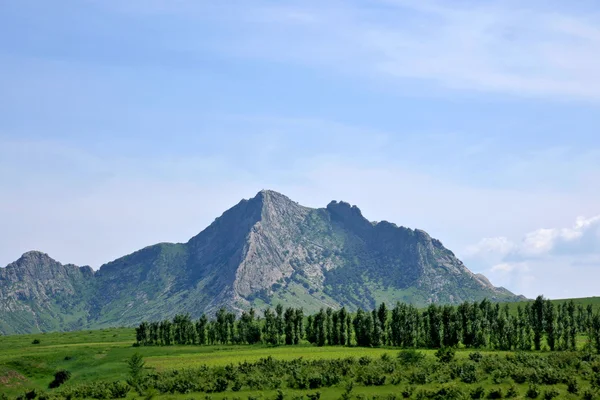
[264, 250]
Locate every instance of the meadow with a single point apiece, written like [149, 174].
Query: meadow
[96, 359]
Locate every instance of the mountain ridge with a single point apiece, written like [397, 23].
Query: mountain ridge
[261, 251]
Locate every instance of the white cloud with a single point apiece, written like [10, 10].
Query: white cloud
[548, 260]
[496, 246]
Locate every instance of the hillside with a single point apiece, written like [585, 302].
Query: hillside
[262, 251]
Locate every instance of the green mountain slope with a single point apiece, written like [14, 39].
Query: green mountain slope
[262, 251]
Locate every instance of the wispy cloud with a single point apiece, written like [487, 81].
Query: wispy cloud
[531, 49]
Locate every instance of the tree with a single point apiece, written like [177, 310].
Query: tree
[382, 316]
[594, 331]
[142, 333]
[270, 327]
[376, 333]
[433, 319]
[550, 324]
[537, 321]
[279, 321]
[298, 325]
[201, 329]
[329, 326]
[136, 368]
[343, 316]
[288, 318]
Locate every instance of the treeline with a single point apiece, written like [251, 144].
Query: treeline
[473, 325]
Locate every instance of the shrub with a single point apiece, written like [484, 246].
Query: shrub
[533, 392]
[519, 376]
[512, 392]
[468, 373]
[410, 357]
[445, 354]
[495, 394]
[36, 341]
[347, 391]
[572, 385]
[364, 360]
[477, 393]
[314, 396]
[475, 356]
[588, 395]
[551, 393]
[280, 395]
[449, 392]
[498, 376]
[407, 392]
[237, 386]
[550, 376]
[418, 378]
[59, 378]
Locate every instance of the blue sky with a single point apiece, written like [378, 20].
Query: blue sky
[126, 123]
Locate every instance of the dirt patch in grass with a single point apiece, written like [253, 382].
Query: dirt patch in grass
[11, 379]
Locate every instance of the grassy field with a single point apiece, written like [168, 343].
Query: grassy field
[101, 355]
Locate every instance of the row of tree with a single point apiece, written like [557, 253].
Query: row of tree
[475, 325]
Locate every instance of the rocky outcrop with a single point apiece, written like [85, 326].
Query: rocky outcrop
[263, 251]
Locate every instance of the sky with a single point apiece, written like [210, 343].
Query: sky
[132, 122]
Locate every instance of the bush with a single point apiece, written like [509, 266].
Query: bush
[533, 392]
[36, 341]
[280, 395]
[59, 378]
[407, 392]
[475, 356]
[588, 395]
[495, 394]
[445, 354]
[418, 378]
[468, 373]
[364, 360]
[572, 385]
[410, 357]
[314, 396]
[519, 376]
[512, 392]
[551, 393]
[478, 393]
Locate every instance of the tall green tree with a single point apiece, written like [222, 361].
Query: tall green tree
[537, 321]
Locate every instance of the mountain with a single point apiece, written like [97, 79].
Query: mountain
[261, 252]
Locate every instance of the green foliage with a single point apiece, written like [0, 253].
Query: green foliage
[549, 394]
[59, 378]
[512, 392]
[36, 341]
[533, 392]
[410, 357]
[136, 368]
[445, 354]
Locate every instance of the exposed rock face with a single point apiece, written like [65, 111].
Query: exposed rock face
[40, 294]
[262, 251]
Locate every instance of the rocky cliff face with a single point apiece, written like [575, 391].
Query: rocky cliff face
[40, 294]
[262, 251]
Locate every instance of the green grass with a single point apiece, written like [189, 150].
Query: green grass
[102, 355]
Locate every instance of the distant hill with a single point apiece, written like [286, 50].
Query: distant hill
[263, 251]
